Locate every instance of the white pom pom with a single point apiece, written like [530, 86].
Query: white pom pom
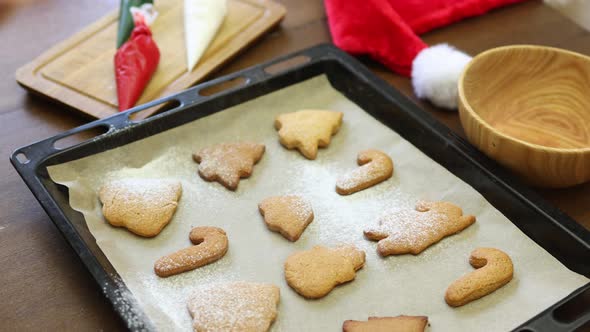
[145, 12]
[435, 73]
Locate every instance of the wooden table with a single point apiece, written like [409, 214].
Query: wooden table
[43, 285]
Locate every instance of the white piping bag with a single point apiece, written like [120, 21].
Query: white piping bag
[202, 19]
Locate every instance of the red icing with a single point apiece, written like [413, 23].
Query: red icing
[135, 63]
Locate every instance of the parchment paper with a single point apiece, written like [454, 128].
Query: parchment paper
[411, 285]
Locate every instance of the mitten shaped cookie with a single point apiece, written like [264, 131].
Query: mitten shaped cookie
[288, 215]
[143, 206]
[412, 231]
[314, 273]
[387, 324]
[234, 306]
[226, 163]
[307, 130]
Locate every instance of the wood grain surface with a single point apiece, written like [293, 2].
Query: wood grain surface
[78, 71]
[533, 119]
[43, 285]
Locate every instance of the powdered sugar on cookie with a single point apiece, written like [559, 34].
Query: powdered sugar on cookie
[375, 167]
[412, 231]
[306, 130]
[226, 163]
[143, 206]
[210, 244]
[235, 306]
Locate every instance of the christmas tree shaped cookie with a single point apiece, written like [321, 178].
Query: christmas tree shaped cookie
[307, 130]
[226, 163]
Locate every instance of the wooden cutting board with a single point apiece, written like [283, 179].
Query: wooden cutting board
[79, 71]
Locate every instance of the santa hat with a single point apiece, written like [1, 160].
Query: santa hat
[387, 30]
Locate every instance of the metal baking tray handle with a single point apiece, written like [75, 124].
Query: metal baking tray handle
[552, 319]
[32, 155]
[257, 75]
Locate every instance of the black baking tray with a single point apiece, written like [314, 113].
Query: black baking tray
[561, 236]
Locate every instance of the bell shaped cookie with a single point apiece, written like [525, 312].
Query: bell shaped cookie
[234, 306]
[289, 215]
[307, 130]
[226, 163]
[143, 206]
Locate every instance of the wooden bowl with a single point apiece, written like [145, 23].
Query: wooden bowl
[528, 107]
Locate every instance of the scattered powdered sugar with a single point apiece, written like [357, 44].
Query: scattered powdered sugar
[405, 284]
[195, 254]
[410, 225]
[127, 305]
[234, 306]
[255, 254]
[156, 191]
[170, 295]
[255, 251]
[352, 178]
[300, 207]
[294, 208]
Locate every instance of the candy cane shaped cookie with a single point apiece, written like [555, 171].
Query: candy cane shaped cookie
[494, 270]
[210, 244]
[375, 167]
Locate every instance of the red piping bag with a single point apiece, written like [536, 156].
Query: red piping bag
[135, 62]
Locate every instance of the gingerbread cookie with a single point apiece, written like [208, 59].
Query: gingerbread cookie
[210, 244]
[288, 215]
[413, 231]
[143, 206]
[226, 163]
[387, 324]
[314, 273]
[307, 129]
[234, 306]
[494, 270]
[375, 167]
